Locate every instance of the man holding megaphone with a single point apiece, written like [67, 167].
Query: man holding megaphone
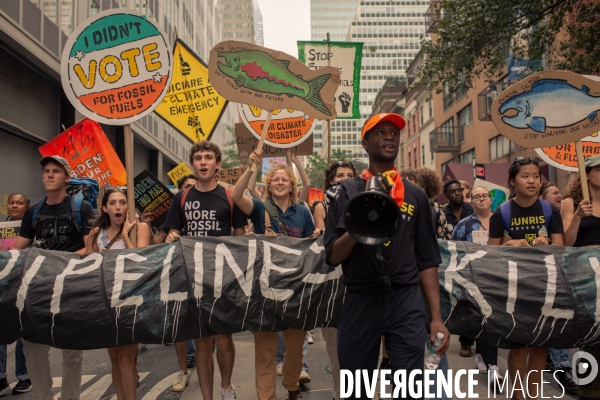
[379, 227]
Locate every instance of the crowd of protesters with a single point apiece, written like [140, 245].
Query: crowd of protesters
[387, 291]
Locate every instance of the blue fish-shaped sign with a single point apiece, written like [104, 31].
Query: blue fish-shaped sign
[551, 103]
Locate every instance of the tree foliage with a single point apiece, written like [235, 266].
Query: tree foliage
[316, 170]
[474, 37]
[229, 158]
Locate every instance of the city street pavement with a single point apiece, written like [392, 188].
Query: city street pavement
[157, 367]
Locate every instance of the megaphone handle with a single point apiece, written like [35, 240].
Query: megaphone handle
[262, 137]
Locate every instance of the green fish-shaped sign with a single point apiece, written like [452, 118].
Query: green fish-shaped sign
[266, 73]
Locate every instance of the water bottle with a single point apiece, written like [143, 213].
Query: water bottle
[433, 360]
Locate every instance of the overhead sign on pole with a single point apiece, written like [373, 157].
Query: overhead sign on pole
[288, 128]
[564, 156]
[272, 80]
[192, 106]
[116, 67]
[89, 153]
[345, 56]
[179, 172]
[247, 142]
[548, 109]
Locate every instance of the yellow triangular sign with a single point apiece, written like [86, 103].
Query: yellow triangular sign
[191, 105]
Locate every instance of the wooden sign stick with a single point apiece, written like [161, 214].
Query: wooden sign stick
[128, 139]
[262, 137]
[288, 157]
[582, 175]
[328, 121]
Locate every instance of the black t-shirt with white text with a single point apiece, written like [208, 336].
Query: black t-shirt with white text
[204, 214]
[526, 222]
[58, 233]
[412, 249]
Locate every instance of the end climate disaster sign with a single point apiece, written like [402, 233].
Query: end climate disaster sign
[117, 68]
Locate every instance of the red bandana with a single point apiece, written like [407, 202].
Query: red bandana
[395, 181]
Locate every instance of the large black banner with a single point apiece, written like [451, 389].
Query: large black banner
[539, 296]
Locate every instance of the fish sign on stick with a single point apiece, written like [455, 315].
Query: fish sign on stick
[270, 79]
[548, 109]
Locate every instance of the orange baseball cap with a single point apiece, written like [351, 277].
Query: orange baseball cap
[377, 118]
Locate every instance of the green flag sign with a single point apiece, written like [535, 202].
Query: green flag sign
[347, 57]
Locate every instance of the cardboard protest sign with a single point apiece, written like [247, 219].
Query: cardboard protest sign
[345, 56]
[564, 156]
[498, 193]
[288, 128]
[270, 162]
[315, 195]
[230, 175]
[89, 153]
[9, 231]
[548, 109]
[199, 286]
[272, 80]
[179, 172]
[192, 106]
[247, 142]
[152, 197]
[116, 66]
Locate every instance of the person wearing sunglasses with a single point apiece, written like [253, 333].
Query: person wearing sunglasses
[526, 220]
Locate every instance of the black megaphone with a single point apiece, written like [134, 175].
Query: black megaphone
[373, 216]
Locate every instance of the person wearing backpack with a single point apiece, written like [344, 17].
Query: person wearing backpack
[205, 209]
[57, 222]
[526, 220]
[280, 214]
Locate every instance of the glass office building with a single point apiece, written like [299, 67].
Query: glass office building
[333, 17]
[391, 32]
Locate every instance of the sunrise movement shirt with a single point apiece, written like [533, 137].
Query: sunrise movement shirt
[526, 222]
[412, 249]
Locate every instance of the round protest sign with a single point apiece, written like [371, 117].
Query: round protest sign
[564, 157]
[288, 127]
[116, 67]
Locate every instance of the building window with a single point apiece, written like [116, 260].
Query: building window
[430, 108]
[500, 146]
[415, 154]
[422, 116]
[423, 154]
[444, 165]
[467, 157]
[409, 161]
[464, 117]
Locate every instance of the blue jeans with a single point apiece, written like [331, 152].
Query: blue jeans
[191, 348]
[560, 358]
[281, 351]
[442, 368]
[20, 367]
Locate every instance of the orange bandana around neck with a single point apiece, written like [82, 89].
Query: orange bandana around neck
[397, 191]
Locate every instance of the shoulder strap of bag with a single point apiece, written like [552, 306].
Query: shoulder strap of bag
[36, 211]
[547, 210]
[76, 202]
[274, 214]
[184, 196]
[505, 211]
